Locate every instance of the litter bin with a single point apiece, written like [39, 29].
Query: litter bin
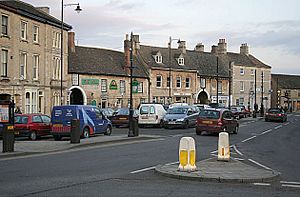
[75, 131]
[8, 138]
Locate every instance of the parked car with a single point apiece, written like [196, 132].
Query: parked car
[201, 106]
[32, 125]
[108, 112]
[275, 114]
[121, 117]
[91, 120]
[151, 114]
[181, 116]
[237, 112]
[216, 121]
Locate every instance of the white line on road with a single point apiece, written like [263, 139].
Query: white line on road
[168, 164]
[215, 151]
[239, 159]
[290, 182]
[249, 139]
[255, 162]
[286, 123]
[267, 131]
[262, 184]
[143, 170]
[278, 127]
[236, 150]
[286, 185]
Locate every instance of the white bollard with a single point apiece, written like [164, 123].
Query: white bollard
[223, 147]
[187, 154]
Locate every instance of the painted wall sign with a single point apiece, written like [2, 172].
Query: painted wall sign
[135, 85]
[90, 81]
[113, 85]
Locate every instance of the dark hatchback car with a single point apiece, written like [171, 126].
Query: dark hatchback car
[108, 112]
[275, 114]
[32, 125]
[215, 121]
[121, 117]
[181, 116]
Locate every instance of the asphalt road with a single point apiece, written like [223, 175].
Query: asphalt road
[127, 170]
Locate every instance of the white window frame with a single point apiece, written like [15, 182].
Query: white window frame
[56, 68]
[75, 79]
[140, 87]
[181, 61]
[158, 82]
[36, 30]
[103, 85]
[242, 86]
[23, 30]
[4, 62]
[122, 87]
[242, 71]
[187, 82]
[158, 59]
[252, 72]
[241, 101]
[35, 66]
[23, 65]
[4, 25]
[220, 87]
[178, 81]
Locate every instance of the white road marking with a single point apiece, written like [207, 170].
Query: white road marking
[262, 184]
[215, 151]
[249, 139]
[214, 155]
[143, 170]
[239, 159]
[168, 164]
[290, 182]
[236, 150]
[267, 131]
[278, 127]
[286, 123]
[286, 185]
[255, 162]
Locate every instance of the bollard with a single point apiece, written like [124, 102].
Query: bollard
[8, 138]
[223, 147]
[75, 131]
[135, 127]
[187, 154]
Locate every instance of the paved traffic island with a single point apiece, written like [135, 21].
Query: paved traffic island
[221, 171]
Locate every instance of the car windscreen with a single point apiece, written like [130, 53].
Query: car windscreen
[177, 110]
[122, 111]
[274, 111]
[21, 119]
[209, 114]
[144, 110]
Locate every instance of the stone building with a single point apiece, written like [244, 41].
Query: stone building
[286, 91]
[30, 47]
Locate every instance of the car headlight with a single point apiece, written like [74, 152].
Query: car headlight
[165, 119]
[180, 120]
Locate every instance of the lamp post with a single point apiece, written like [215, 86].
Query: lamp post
[130, 132]
[229, 88]
[78, 9]
[170, 65]
[217, 81]
[262, 95]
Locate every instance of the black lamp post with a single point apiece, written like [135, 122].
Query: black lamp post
[217, 81]
[130, 132]
[170, 65]
[229, 88]
[262, 95]
[78, 9]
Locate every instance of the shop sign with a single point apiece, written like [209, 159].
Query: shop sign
[135, 85]
[113, 85]
[90, 81]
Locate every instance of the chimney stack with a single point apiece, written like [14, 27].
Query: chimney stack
[244, 49]
[136, 43]
[71, 41]
[43, 9]
[222, 46]
[199, 47]
[214, 49]
[127, 54]
[182, 46]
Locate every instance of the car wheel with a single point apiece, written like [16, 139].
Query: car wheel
[57, 137]
[198, 132]
[161, 124]
[33, 135]
[236, 130]
[108, 130]
[186, 125]
[86, 133]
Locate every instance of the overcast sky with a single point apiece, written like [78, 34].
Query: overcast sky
[270, 27]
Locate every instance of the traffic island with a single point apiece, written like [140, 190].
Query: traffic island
[212, 170]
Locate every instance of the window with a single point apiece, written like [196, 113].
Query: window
[33, 102]
[220, 87]
[241, 101]
[178, 82]
[181, 61]
[46, 119]
[103, 85]
[35, 34]
[23, 65]
[158, 81]
[158, 59]
[242, 86]
[203, 83]
[23, 30]
[140, 87]
[56, 40]
[56, 68]
[4, 58]
[188, 83]
[27, 102]
[252, 71]
[169, 81]
[251, 86]
[35, 67]
[4, 25]
[122, 87]
[75, 79]
[242, 71]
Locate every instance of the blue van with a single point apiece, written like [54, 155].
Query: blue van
[92, 120]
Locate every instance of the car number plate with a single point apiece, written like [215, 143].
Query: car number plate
[206, 122]
[122, 118]
[144, 117]
[17, 133]
[171, 122]
[57, 125]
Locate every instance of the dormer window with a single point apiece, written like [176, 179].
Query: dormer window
[181, 61]
[158, 59]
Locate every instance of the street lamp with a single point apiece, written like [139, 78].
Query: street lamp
[170, 54]
[229, 88]
[262, 95]
[78, 9]
[217, 81]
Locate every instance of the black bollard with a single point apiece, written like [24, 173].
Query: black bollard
[8, 138]
[75, 131]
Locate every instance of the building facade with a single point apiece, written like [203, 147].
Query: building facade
[30, 46]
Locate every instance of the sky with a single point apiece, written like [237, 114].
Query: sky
[271, 28]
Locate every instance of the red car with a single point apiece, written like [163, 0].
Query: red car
[275, 114]
[216, 121]
[32, 125]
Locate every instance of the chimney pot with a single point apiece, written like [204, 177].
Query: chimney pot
[222, 46]
[199, 47]
[244, 49]
[182, 46]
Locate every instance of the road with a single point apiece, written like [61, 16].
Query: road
[128, 169]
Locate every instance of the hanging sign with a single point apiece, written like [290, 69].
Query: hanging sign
[113, 85]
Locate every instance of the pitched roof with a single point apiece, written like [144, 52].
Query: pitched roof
[29, 11]
[97, 61]
[246, 60]
[287, 81]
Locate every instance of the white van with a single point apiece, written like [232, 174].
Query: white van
[151, 114]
